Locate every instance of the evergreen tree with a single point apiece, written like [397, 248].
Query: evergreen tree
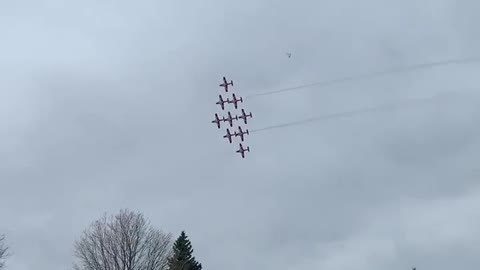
[182, 258]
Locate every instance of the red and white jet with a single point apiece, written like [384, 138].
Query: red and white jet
[230, 119]
[243, 150]
[235, 100]
[228, 136]
[222, 102]
[226, 84]
[244, 116]
[218, 120]
[240, 133]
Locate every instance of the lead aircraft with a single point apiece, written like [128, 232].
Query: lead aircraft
[225, 84]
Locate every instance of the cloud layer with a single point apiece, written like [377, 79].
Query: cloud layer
[107, 104]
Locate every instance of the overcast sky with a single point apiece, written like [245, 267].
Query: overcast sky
[107, 104]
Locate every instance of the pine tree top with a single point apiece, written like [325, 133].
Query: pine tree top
[182, 258]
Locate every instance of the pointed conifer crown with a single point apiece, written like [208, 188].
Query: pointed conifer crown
[182, 258]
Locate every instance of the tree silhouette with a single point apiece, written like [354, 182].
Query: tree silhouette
[182, 257]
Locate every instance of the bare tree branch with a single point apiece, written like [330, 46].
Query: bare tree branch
[126, 241]
[3, 252]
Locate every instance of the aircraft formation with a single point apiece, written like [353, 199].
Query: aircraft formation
[239, 132]
[229, 119]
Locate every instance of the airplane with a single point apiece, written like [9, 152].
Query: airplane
[235, 100]
[289, 55]
[230, 119]
[241, 133]
[244, 116]
[228, 135]
[222, 102]
[226, 84]
[218, 120]
[243, 150]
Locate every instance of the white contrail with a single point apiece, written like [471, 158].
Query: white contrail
[385, 107]
[371, 75]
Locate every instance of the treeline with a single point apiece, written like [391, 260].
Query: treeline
[126, 241]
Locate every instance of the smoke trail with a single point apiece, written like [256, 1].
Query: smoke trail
[386, 107]
[371, 75]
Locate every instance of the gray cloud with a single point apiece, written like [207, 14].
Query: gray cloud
[107, 104]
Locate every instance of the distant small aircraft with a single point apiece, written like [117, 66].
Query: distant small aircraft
[235, 100]
[241, 133]
[228, 135]
[230, 119]
[218, 120]
[244, 116]
[226, 84]
[289, 55]
[222, 102]
[243, 150]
